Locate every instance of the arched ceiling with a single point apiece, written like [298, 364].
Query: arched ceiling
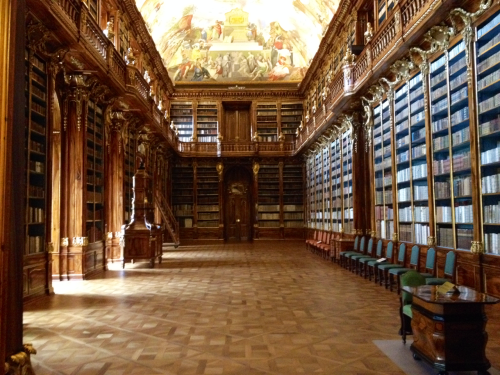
[230, 41]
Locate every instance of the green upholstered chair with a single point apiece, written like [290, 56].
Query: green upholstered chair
[409, 278]
[449, 271]
[362, 250]
[383, 269]
[395, 273]
[430, 263]
[373, 264]
[342, 254]
[356, 258]
[363, 262]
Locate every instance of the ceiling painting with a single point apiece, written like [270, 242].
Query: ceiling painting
[237, 40]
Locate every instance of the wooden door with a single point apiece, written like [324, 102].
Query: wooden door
[237, 122]
[237, 205]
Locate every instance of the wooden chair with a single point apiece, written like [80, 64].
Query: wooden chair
[410, 278]
[430, 264]
[395, 273]
[342, 259]
[450, 266]
[349, 263]
[373, 264]
[355, 259]
[383, 269]
[311, 241]
[363, 262]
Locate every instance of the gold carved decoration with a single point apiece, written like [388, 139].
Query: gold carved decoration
[220, 170]
[20, 363]
[431, 241]
[255, 168]
[395, 237]
[65, 241]
[477, 247]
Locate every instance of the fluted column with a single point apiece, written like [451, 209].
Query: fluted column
[114, 185]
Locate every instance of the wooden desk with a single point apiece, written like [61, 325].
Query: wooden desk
[449, 330]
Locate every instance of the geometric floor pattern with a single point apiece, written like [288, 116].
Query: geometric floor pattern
[267, 307]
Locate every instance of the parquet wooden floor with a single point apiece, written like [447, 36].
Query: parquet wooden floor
[269, 307]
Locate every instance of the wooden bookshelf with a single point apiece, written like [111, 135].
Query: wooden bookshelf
[293, 197]
[488, 98]
[182, 195]
[36, 146]
[207, 123]
[94, 226]
[318, 191]
[336, 184]
[291, 117]
[267, 122]
[384, 203]
[207, 191]
[347, 182]
[268, 209]
[181, 115]
[130, 149]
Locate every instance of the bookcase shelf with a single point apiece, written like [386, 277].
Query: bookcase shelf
[268, 211]
[182, 194]
[336, 184]
[267, 122]
[488, 82]
[347, 181]
[128, 175]
[95, 173]
[207, 123]
[36, 146]
[293, 196]
[383, 166]
[207, 190]
[181, 114]
[291, 117]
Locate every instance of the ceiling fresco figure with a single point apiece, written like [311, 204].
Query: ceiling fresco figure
[237, 40]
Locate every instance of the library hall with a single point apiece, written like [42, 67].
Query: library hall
[250, 187]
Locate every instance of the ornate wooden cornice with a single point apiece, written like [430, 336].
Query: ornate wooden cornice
[237, 94]
[326, 44]
[147, 44]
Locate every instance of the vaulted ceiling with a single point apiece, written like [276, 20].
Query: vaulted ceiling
[233, 41]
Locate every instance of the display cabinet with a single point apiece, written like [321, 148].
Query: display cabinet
[181, 115]
[488, 97]
[311, 193]
[267, 122]
[95, 173]
[318, 191]
[130, 148]
[326, 186]
[207, 122]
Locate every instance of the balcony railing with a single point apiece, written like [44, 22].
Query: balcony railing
[91, 31]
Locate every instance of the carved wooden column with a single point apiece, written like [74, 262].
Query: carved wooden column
[395, 211]
[114, 185]
[195, 199]
[73, 241]
[255, 191]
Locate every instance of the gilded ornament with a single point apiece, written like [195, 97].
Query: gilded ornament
[431, 241]
[395, 237]
[65, 242]
[477, 247]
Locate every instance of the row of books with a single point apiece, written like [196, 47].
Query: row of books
[489, 26]
[402, 175]
[422, 232]
[421, 213]
[439, 125]
[180, 112]
[208, 224]
[463, 213]
[485, 47]
[417, 118]
[419, 171]
[402, 125]
[405, 214]
[293, 216]
[294, 224]
[36, 166]
[41, 110]
[491, 184]
[36, 215]
[401, 104]
[490, 103]
[464, 238]
[459, 116]
[491, 156]
[461, 161]
[440, 105]
[37, 127]
[94, 215]
[439, 62]
[38, 79]
[94, 197]
[460, 64]
[38, 92]
[439, 92]
[34, 244]
[462, 186]
[205, 138]
[460, 80]
[402, 115]
[418, 151]
[460, 136]
[443, 214]
[405, 232]
[459, 95]
[403, 156]
[445, 237]
[36, 146]
[94, 180]
[208, 216]
[489, 127]
[36, 191]
[492, 243]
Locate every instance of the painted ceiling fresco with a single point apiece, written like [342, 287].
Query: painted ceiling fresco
[237, 40]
